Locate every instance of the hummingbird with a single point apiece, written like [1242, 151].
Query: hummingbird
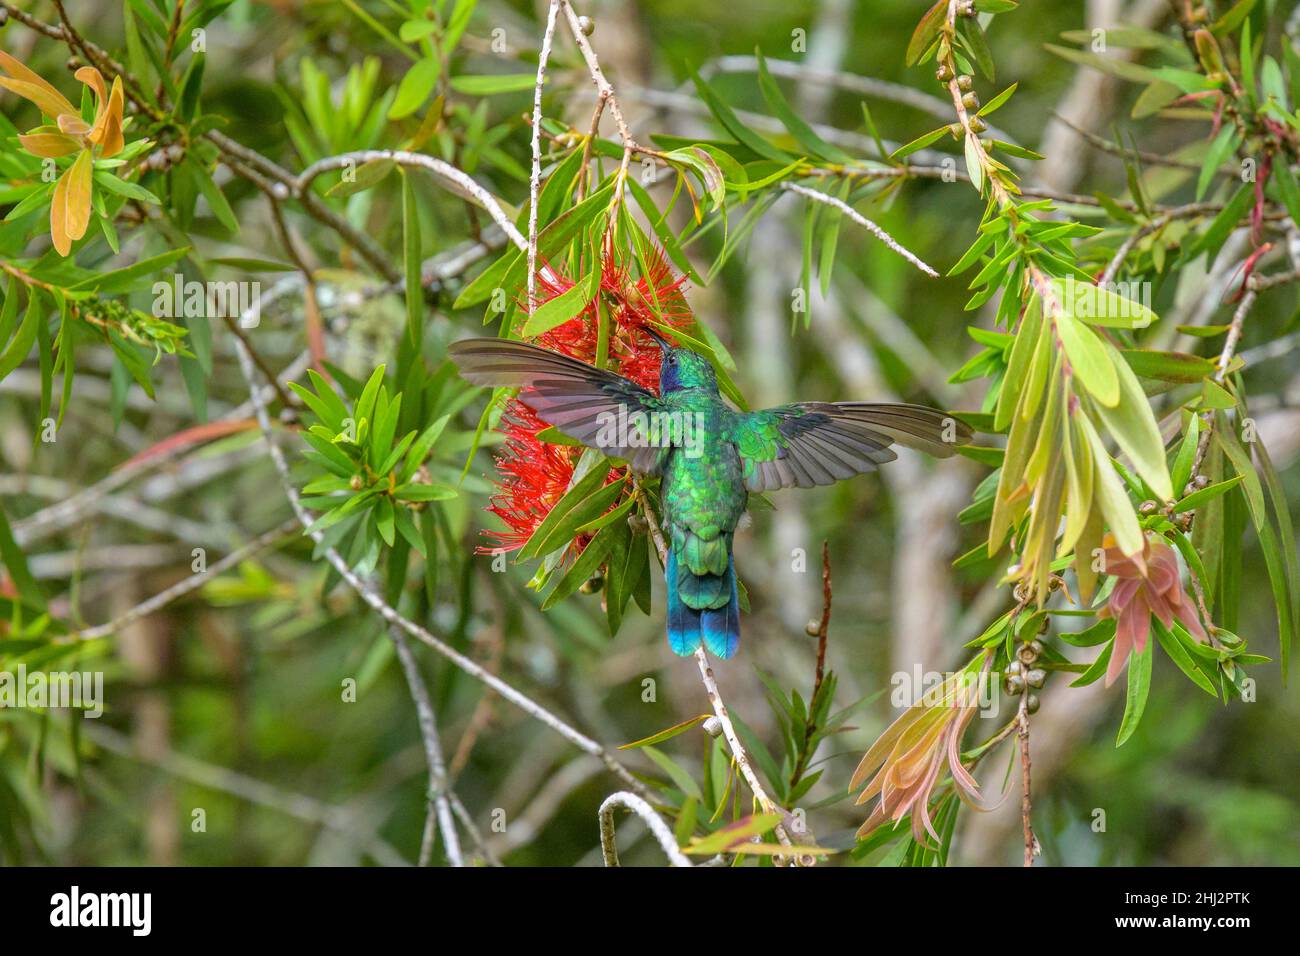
[709, 456]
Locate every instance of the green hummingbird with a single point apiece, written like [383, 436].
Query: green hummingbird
[708, 455]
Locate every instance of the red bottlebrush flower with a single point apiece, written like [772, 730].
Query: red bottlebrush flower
[533, 474]
[1146, 587]
[908, 761]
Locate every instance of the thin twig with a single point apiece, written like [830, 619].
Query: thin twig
[439, 804]
[863, 221]
[605, 91]
[654, 823]
[1234, 334]
[466, 185]
[535, 179]
[1026, 801]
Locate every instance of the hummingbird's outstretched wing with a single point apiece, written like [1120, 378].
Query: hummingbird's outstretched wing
[589, 404]
[818, 443]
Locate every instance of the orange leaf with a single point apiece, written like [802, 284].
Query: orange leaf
[59, 215]
[79, 195]
[50, 102]
[31, 86]
[109, 124]
[70, 210]
[49, 145]
[73, 125]
[95, 80]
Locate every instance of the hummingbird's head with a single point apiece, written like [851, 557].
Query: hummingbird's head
[681, 368]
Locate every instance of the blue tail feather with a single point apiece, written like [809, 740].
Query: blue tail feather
[721, 626]
[718, 629]
[683, 621]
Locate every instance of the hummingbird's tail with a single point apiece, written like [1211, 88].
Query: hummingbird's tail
[702, 608]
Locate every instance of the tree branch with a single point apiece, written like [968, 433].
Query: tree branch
[654, 823]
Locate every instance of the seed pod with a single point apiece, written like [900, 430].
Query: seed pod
[977, 124]
[713, 726]
[964, 82]
[1148, 507]
[1202, 481]
[592, 584]
[355, 482]
[1031, 704]
[1036, 677]
[586, 25]
[1014, 685]
[944, 73]
[971, 101]
[1013, 668]
[813, 628]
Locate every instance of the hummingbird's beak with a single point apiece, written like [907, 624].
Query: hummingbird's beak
[663, 343]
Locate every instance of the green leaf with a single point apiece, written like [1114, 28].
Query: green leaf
[1099, 306]
[742, 133]
[415, 87]
[919, 143]
[1139, 685]
[926, 30]
[1178, 654]
[555, 525]
[489, 84]
[1092, 366]
[1218, 152]
[1208, 493]
[420, 450]
[1097, 669]
[123, 280]
[215, 198]
[418, 491]
[366, 176]
[564, 306]
[21, 343]
[680, 778]
[1133, 426]
[998, 100]
[1115, 66]
[667, 734]
[804, 134]
[121, 187]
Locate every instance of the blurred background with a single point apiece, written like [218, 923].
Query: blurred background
[230, 701]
